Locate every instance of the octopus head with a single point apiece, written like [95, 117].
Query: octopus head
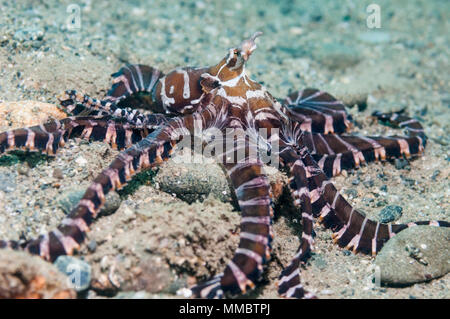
[232, 65]
[231, 68]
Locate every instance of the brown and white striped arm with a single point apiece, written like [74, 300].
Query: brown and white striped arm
[400, 120]
[318, 111]
[253, 192]
[49, 137]
[352, 229]
[79, 104]
[289, 284]
[335, 153]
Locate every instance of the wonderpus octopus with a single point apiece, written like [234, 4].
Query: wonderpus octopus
[309, 129]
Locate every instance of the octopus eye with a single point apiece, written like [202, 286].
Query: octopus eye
[237, 52]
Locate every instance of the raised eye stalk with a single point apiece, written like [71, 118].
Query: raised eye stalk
[248, 46]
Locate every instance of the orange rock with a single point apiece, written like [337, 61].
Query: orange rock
[24, 276]
[27, 113]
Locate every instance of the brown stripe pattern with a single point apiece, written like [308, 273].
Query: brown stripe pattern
[318, 111]
[253, 193]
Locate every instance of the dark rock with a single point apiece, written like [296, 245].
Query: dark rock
[400, 163]
[435, 174]
[381, 203]
[390, 213]
[351, 192]
[78, 271]
[92, 245]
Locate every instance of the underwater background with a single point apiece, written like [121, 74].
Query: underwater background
[177, 225]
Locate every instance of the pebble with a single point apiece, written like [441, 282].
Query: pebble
[400, 163]
[23, 170]
[92, 246]
[78, 271]
[58, 173]
[351, 192]
[390, 213]
[81, 161]
[404, 260]
[435, 174]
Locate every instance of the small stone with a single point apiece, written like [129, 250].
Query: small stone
[78, 271]
[400, 163]
[23, 170]
[92, 246]
[58, 173]
[355, 181]
[351, 192]
[368, 183]
[381, 203]
[435, 174]
[390, 213]
[403, 261]
[81, 161]
[296, 30]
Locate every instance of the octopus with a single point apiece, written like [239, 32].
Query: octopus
[222, 112]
